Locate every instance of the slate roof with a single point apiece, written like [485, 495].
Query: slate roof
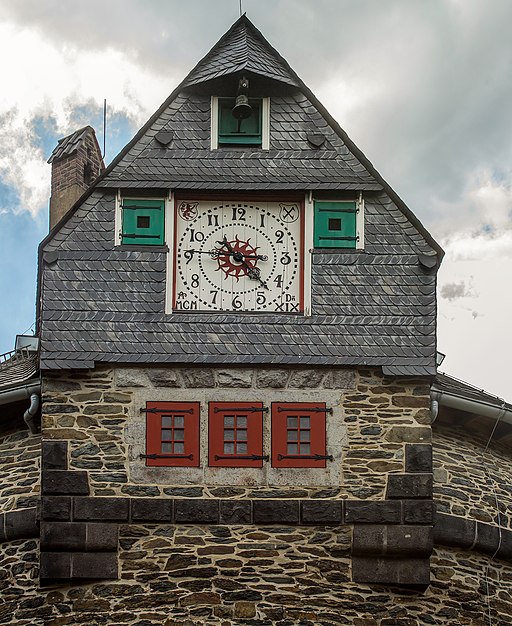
[102, 303]
[70, 144]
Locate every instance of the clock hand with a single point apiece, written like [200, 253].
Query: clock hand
[252, 272]
[189, 254]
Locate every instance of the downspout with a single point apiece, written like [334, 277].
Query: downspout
[30, 413]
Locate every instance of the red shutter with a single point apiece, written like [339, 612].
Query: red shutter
[235, 434]
[298, 434]
[172, 434]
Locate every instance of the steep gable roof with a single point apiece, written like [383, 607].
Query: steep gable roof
[243, 47]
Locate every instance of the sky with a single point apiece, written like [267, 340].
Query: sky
[424, 88]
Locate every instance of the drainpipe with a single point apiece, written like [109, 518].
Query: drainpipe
[29, 414]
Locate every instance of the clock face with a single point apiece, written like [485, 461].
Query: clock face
[238, 256]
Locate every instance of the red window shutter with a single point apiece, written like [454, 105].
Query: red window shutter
[298, 433]
[172, 434]
[235, 433]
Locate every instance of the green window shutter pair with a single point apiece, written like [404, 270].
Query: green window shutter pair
[245, 132]
[143, 222]
[335, 224]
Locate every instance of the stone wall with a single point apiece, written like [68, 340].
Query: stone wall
[276, 575]
[468, 481]
[20, 454]
[99, 413]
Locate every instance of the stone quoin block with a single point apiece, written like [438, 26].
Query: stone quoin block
[381, 512]
[65, 482]
[418, 457]
[409, 486]
[57, 508]
[101, 537]
[454, 531]
[235, 512]
[54, 566]
[276, 511]
[63, 536]
[101, 509]
[403, 572]
[399, 540]
[21, 524]
[322, 512]
[151, 510]
[54, 455]
[196, 511]
[94, 565]
[418, 511]
[3, 536]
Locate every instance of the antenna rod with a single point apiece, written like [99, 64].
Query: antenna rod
[105, 125]
[240, 8]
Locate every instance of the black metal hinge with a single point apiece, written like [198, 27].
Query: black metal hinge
[165, 411]
[238, 457]
[166, 456]
[314, 457]
[251, 409]
[298, 409]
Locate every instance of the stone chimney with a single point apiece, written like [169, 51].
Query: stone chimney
[76, 162]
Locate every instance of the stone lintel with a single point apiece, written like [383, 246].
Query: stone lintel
[391, 541]
[409, 486]
[65, 482]
[379, 512]
[402, 572]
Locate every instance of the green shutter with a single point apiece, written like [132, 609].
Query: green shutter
[335, 224]
[143, 222]
[250, 129]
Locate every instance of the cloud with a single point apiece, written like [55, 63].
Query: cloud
[451, 291]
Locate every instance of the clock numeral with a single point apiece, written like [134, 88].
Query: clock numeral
[279, 236]
[286, 259]
[194, 281]
[214, 293]
[238, 214]
[236, 303]
[260, 298]
[262, 220]
[279, 280]
[196, 236]
[213, 220]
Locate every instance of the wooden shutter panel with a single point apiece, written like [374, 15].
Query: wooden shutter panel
[335, 224]
[143, 222]
[171, 444]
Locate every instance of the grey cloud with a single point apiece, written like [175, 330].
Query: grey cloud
[452, 291]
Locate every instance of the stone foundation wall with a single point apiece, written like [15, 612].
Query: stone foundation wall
[20, 454]
[223, 576]
[99, 413]
[470, 482]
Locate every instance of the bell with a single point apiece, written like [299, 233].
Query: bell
[242, 109]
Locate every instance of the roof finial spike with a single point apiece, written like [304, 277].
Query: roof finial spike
[240, 2]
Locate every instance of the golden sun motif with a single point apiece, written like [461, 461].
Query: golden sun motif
[228, 263]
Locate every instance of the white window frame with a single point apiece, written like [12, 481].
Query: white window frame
[265, 124]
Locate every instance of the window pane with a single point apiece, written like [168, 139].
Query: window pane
[241, 421]
[229, 435]
[179, 448]
[179, 421]
[229, 421]
[179, 435]
[167, 448]
[304, 422]
[291, 448]
[292, 435]
[291, 422]
[166, 435]
[304, 436]
[166, 421]
[241, 448]
[229, 448]
[241, 435]
[305, 448]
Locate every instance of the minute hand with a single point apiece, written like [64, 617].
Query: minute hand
[252, 272]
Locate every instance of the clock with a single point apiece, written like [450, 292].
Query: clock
[238, 256]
